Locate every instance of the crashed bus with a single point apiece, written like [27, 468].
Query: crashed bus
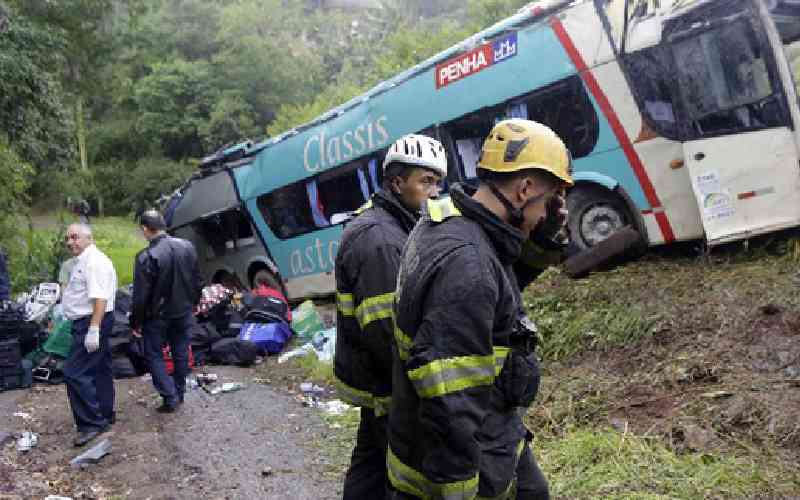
[682, 118]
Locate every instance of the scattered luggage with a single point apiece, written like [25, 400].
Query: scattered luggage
[230, 351]
[270, 338]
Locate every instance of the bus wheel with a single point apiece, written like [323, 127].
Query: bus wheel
[267, 278]
[595, 213]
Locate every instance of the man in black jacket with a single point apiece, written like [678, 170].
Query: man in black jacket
[366, 274]
[166, 287]
[464, 364]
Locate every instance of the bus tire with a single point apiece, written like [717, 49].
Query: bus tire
[595, 213]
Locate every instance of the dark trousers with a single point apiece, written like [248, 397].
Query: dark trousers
[366, 478]
[176, 333]
[89, 379]
[530, 482]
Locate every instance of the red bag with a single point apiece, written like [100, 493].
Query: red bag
[168, 359]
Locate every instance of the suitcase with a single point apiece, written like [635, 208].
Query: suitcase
[18, 377]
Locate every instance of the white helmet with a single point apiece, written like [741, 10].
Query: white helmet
[418, 151]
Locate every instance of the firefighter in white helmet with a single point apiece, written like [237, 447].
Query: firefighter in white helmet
[366, 272]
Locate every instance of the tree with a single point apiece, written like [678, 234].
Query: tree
[32, 115]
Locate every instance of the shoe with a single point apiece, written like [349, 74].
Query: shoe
[84, 437]
[167, 408]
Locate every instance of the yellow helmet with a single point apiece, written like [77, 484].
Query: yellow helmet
[516, 144]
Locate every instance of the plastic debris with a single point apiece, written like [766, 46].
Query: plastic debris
[206, 378]
[55, 497]
[232, 386]
[23, 415]
[93, 454]
[298, 352]
[334, 407]
[27, 441]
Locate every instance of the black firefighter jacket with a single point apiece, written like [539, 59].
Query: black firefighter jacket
[167, 282]
[461, 375]
[366, 273]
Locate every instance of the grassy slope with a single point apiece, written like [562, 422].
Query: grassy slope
[120, 239]
[661, 378]
[649, 389]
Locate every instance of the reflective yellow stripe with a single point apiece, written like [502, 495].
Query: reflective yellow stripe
[365, 206]
[374, 308]
[506, 495]
[445, 376]
[353, 396]
[403, 341]
[500, 355]
[344, 303]
[410, 481]
[440, 210]
[382, 405]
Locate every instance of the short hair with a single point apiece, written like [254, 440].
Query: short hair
[504, 179]
[152, 220]
[81, 228]
[396, 169]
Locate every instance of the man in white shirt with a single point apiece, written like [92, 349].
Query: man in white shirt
[88, 301]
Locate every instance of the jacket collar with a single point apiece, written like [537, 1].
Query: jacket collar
[507, 240]
[158, 238]
[389, 202]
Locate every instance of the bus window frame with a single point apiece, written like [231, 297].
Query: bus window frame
[685, 130]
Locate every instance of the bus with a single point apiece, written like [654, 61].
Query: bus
[681, 116]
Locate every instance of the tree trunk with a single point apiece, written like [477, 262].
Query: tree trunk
[100, 205]
[81, 133]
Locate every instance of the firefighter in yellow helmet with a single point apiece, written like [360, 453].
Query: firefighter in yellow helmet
[464, 364]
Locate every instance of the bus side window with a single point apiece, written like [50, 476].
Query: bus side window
[652, 75]
[467, 134]
[564, 107]
[725, 81]
[287, 210]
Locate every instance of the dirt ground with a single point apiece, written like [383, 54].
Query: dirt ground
[253, 443]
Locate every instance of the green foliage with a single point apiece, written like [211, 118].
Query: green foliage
[32, 116]
[586, 463]
[585, 314]
[174, 102]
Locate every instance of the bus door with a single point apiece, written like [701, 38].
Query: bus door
[740, 119]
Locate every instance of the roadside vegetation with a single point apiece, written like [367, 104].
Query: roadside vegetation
[663, 377]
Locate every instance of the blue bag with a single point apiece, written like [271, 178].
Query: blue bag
[270, 338]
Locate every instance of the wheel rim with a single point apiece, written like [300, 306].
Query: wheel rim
[599, 222]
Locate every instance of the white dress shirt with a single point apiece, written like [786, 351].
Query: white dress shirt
[93, 277]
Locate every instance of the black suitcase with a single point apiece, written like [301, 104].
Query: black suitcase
[18, 377]
[10, 353]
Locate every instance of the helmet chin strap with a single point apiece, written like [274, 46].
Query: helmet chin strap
[515, 215]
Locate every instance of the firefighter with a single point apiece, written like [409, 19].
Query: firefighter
[366, 272]
[464, 363]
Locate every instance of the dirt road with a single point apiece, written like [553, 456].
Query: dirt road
[259, 442]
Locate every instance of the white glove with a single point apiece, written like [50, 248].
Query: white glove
[92, 341]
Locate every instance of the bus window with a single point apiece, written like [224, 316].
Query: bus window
[312, 203]
[467, 134]
[287, 210]
[564, 107]
[725, 82]
[654, 82]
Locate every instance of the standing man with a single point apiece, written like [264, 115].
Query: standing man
[464, 366]
[88, 301]
[366, 273]
[166, 287]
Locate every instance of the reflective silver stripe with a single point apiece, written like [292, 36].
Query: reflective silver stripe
[448, 375]
[374, 308]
